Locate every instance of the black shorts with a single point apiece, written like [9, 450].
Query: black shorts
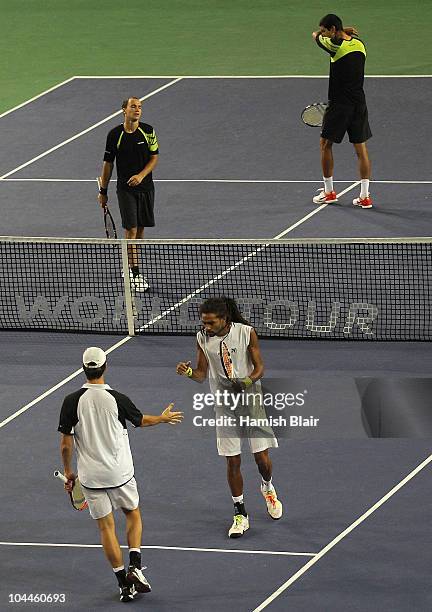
[341, 118]
[136, 209]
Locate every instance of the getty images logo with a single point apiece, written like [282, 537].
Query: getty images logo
[282, 316]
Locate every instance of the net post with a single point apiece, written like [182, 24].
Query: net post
[128, 300]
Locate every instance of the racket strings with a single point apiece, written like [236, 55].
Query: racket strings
[227, 361]
[109, 225]
[313, 115]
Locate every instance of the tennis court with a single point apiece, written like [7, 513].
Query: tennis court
[236, 163]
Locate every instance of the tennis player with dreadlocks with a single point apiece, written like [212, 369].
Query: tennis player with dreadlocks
[224, 329]
[347, 110]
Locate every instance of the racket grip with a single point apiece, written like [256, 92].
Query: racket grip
[61, 476]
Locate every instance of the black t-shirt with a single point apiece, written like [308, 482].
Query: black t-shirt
[347, 65]
[132, 152]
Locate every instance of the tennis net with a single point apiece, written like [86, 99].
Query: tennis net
[358, 289]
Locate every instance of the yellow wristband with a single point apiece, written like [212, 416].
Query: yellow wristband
[189, 372]
[247, 381]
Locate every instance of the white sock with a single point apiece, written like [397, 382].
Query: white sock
[364, 189]
[328, 184]
[138, 550]
[117, 569]
[266, 485]
[238, 500]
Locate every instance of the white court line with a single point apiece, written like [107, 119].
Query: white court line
[250, 76]
[89, 129]
[57, 386]
[43, 93]
[181, 548]
[342, 535]
[246, 181]
[151, 322]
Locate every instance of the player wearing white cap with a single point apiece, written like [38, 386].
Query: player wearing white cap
[94, 418]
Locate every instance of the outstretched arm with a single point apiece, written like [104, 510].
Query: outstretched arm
[167, 416]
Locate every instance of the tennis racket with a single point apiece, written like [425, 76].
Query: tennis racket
[110, 228]
[313, 114]
[226, 360]
[77, 498]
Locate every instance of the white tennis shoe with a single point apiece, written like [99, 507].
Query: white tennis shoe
[274, 506]
[239, 526]
[141, 285]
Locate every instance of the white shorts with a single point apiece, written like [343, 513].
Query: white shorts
[229, 438]
[228, 447]
[102, 502]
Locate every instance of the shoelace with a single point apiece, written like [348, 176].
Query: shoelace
[238, 519]
[271, 497]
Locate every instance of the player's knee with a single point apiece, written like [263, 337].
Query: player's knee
[106, 523]
[131, 233]
[325, 144]
[233, 463]
[135, 513]
[262, 458]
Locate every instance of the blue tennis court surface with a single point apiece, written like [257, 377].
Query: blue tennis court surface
[236, 162]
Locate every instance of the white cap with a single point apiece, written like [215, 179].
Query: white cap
[94, 357]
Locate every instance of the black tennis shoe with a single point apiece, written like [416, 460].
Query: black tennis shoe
[127, 593]
[137, 578]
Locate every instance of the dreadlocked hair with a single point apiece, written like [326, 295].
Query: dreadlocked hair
[224, 308]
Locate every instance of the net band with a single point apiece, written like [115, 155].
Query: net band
[358, 289]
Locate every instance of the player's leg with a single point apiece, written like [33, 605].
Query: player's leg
[134, 530]
[333, 130]
[327, 195]
[109, 540]
[359, 132]
[145, 218]
[114, 555]
[134, 535]
[265, 468]
[229, 446]
[129, 215]
[235, 482]
[364, 200]
[234, 475]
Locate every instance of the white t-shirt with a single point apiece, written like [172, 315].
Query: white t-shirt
[237, 341]
[96, 415]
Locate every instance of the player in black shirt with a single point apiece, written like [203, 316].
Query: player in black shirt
[135, 148]
[347, 110]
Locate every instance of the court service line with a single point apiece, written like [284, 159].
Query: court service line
[245, 181]
[166, 312]
[342, 535]
[43, 93]
[86, 131]
[250, 76]
[180, 548]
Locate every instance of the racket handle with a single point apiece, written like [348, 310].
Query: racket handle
[61, 476]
